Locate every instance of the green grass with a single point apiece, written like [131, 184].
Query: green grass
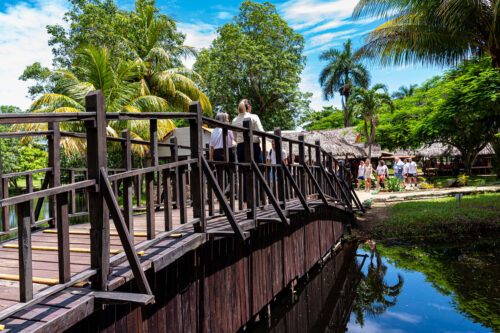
[441, 182]
[442, 219]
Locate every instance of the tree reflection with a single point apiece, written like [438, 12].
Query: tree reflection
[374, 296]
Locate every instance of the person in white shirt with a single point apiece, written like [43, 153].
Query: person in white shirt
[271, 159]
[398, 168]
[412, 172]
[368, 175]
[361, 174]
[406, 166]
[216, 140]
[244, 109]
[382, 173]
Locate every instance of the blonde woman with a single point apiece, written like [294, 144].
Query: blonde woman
[368, 175]
[244, 109]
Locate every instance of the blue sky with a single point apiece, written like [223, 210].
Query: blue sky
[324, 24]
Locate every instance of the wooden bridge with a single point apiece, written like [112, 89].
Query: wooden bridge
[55, 276]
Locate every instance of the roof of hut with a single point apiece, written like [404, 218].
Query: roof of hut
[340, 142]
[438, 150]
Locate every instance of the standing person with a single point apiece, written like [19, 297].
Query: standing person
[217, 145]
[244, 109]
[382, 173]
[368, 174]
[361, 174]
[398, 168]
[271, 159]
[406, 166]
[412, 172]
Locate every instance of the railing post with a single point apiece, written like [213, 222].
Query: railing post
[4, 193]
[63, 238]
[29, 189]
[302, 162]
[127, 182]
[54, 162]
[150, 199]
[196, 137]
[174, 155]
[318, 163]
[98, 211]
[72, 194]
[25, 260]
[278, 144]
[247, 170]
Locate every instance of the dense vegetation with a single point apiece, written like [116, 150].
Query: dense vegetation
[259, 57]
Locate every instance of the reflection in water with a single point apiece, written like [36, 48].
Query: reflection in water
[397, 289]
[374, 296]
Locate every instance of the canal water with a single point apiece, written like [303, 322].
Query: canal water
[376, 288]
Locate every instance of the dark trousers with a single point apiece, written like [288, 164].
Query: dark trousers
[257, 157]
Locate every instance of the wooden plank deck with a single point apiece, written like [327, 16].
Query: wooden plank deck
[45, 260]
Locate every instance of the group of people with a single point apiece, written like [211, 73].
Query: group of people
[217, 143]
[405, 171]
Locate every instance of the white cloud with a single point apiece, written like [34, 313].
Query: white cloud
[372, 327]
[327, 26]
[199, 35]
[224, 15]
[328, 37]
[23, 41]
[406, 317]
[306, 13]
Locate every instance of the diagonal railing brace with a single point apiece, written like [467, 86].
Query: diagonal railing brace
[269, 193]
[302, 199]
[223, 202]
[315, 182]
[125, 238]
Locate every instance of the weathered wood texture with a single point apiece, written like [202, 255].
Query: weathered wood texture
[222, 284]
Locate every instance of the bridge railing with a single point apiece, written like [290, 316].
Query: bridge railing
[194, 187]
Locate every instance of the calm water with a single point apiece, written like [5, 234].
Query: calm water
[397, 289]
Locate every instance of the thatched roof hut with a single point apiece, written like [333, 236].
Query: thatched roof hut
[340, 142]
[438, 150]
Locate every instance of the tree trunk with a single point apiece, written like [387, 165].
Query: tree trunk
[496, 158]
[347, 117]
[468, 159]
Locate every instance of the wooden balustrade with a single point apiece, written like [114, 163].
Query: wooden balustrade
[195, 182]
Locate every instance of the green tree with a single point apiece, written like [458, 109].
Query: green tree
[328, 118]
[121, 88]
[442, 32]
[404, 91]
[259, 57]
[342, 72]
[467, 112]
[368, 103]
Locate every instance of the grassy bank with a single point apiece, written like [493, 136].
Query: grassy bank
[441, 219]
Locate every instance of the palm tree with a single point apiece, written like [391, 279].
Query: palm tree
[165, 75]
[121, 87]
[404, 91]
[368, 102]
[341, 73]
[442, 32]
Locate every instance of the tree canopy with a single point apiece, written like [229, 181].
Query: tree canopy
[460, 109]
[328, 118]
[259, 57]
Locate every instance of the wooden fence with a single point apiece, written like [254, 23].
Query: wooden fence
[194, 183]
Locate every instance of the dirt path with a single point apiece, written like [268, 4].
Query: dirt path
[376, 214]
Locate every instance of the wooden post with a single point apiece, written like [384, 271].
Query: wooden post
[72, 194]
[167, 200]
[29, 189]
[278, 144]
[54, 163]
[174, 155]
[4, 193]
[250, 179]
[98, 211]
[302, 161]
[25, 262]
[127, 182]
[63, 238]
[318, 163]
[150, 199]
[196, 138]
